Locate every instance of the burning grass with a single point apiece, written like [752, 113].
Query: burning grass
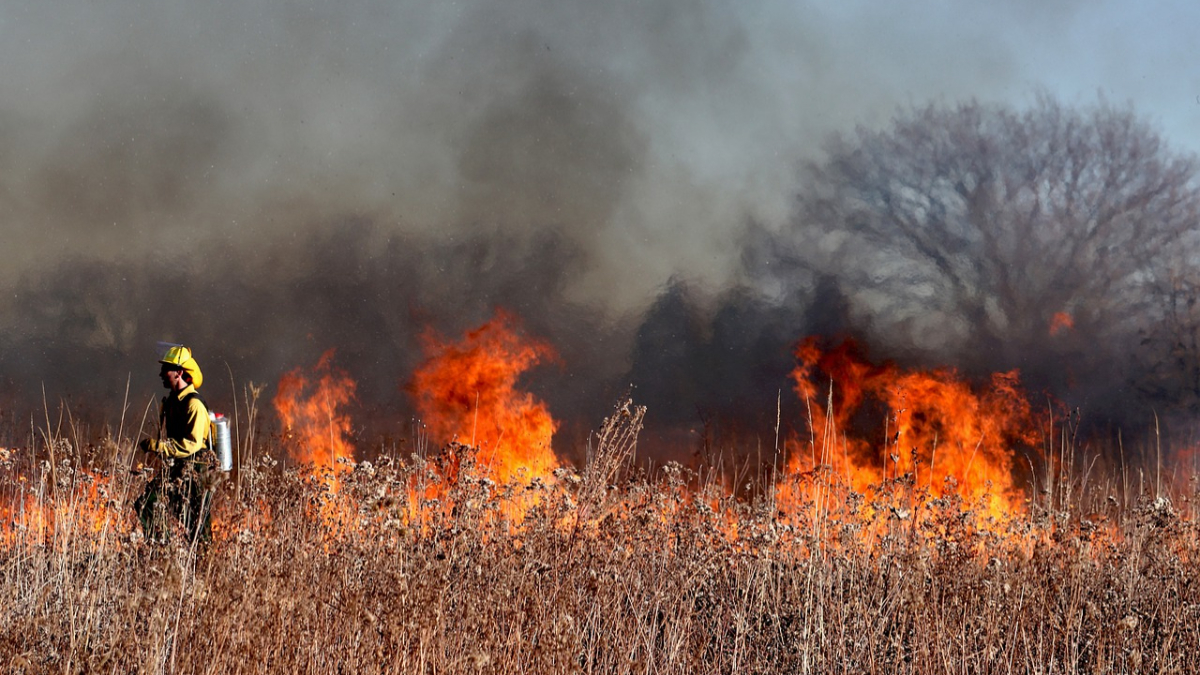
[605, 570]
[922, 553]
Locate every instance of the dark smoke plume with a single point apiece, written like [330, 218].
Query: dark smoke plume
[253, 317]
[715, 371]
[265, 182]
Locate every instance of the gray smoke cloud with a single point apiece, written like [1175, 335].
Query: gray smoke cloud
[266, 180]
[647, 133]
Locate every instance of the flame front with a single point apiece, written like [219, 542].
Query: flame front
[938, 431]
[467, 390]
[311, 410]
[317, 428]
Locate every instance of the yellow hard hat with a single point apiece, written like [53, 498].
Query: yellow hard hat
[181, 356]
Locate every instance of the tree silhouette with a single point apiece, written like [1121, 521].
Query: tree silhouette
[996, 237]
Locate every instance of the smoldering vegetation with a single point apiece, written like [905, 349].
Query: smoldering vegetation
[608, 570]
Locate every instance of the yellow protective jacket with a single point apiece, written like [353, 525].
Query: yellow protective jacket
[183, 424]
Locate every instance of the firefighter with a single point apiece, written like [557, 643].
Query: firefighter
[183, 490]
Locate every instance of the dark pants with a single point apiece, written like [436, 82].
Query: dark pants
[184, 493]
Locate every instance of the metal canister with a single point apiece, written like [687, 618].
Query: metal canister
[221, 441]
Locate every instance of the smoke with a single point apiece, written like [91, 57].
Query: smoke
[264, 181]
[647, 134]
[366, 293]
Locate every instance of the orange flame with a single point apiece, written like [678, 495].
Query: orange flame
[1061, 322]
[312, 415]
[313, 420]
[81, 506]
[939, 431]
[468, 391]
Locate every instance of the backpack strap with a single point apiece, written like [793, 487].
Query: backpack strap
[208, 438]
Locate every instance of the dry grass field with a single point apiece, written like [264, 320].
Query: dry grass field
[424, 565]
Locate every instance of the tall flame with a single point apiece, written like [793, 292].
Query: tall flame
[467, 390]
[938, 430]
[310, 406]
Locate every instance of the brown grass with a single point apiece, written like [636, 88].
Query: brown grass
[609, 572]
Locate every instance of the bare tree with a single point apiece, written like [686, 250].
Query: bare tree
[1169, 350]
[980, 230]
